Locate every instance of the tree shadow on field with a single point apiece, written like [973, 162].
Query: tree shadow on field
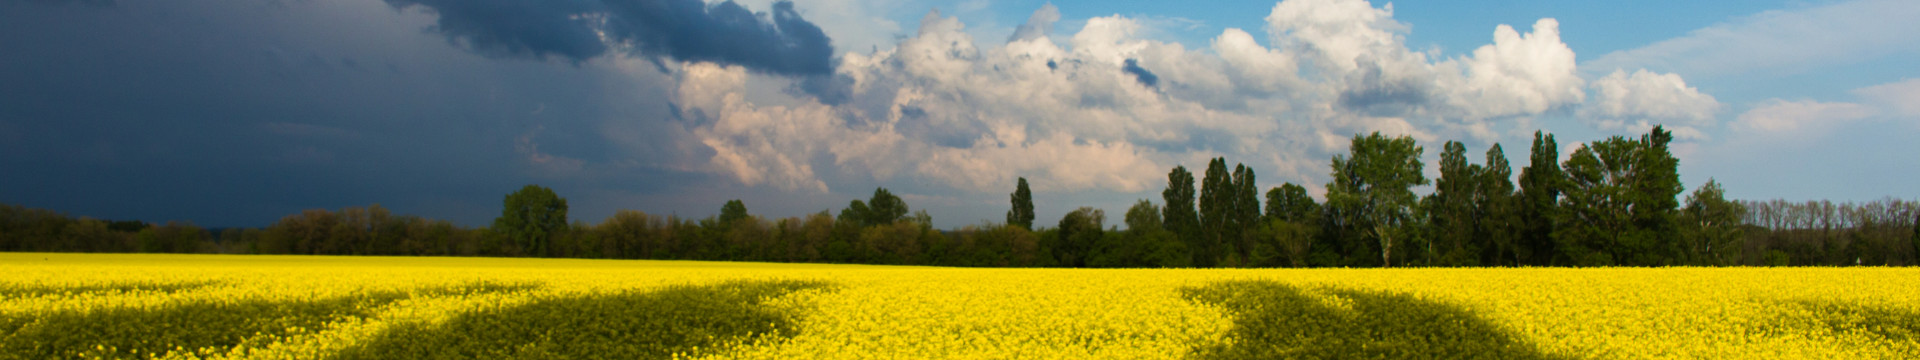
[28, 291]
[202, 327]
[1882, 325]
[638, 325]
[1280, 321]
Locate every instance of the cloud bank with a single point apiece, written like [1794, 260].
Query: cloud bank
[781, 42]
[1780, 41]
[1110, 110]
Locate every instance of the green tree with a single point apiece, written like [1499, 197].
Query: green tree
[1292, 223]
[1656, 199]
[1916, 237]
[1620, 202]
[1246, 212]
[884, 208]
[1179, 214]
[1290, 202]
[855, 214]
[1283, 242]
[1540, 184]
[1216, 213]
[1079, 231]
[532, 217]
[1499, 209]
[734, 211]
[174, 237]
[1711, 226]
[1022, 213]
[1143, 216]
[1451, 209]
[1373, 187]
[1151, 244]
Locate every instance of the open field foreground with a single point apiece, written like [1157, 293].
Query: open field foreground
[293, 307]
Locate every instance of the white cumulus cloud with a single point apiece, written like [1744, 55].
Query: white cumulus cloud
[1113, 110]
[1642, 99]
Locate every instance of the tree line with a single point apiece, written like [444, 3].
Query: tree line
[1616, 202]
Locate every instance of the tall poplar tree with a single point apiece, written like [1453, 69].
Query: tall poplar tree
[1451, 209]
[1179, 213]
[1540, 184]
[1656, 199]
[1216, 213]
[1246, 212]
[1022, 213]
[1498, 206]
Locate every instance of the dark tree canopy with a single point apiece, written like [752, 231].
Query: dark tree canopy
[734, 211]
[1290, 203]
[1451, 209]
[1540, 184]
[855, 214]
[1216, 213]
[1499, 210]
[1246, 212]
[1372, 188]
[532, 217]
[1143, 216]
[1022, 213]
[1711, 225]
[1611, 203]
[884, 208]
[1079, 231]
[1619, 204]
[1179, 213]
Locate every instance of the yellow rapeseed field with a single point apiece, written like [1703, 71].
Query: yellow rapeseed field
[299, 307]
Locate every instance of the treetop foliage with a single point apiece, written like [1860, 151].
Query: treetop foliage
[1022, 213]
[1615, 202]
[531, 217]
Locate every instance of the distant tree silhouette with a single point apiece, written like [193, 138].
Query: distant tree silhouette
[531, 218]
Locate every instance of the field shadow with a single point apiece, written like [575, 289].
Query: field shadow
[1280, 321]
[203, 327]
[28, 291]
[639, 325]
[1886, 325]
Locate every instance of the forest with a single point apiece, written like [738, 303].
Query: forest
[1616, 202]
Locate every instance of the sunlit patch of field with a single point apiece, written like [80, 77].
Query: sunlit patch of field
[298, 307]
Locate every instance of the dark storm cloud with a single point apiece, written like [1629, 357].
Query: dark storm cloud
[537, 28]
[237, 113]
[1146, 77]
[780, 42]
[82, 2]
[830, 89]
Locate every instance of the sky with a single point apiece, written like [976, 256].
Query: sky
[235, 113]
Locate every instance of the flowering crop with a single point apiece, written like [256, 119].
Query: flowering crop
[298, 307]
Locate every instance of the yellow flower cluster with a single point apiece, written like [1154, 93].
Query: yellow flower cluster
[299, 307]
